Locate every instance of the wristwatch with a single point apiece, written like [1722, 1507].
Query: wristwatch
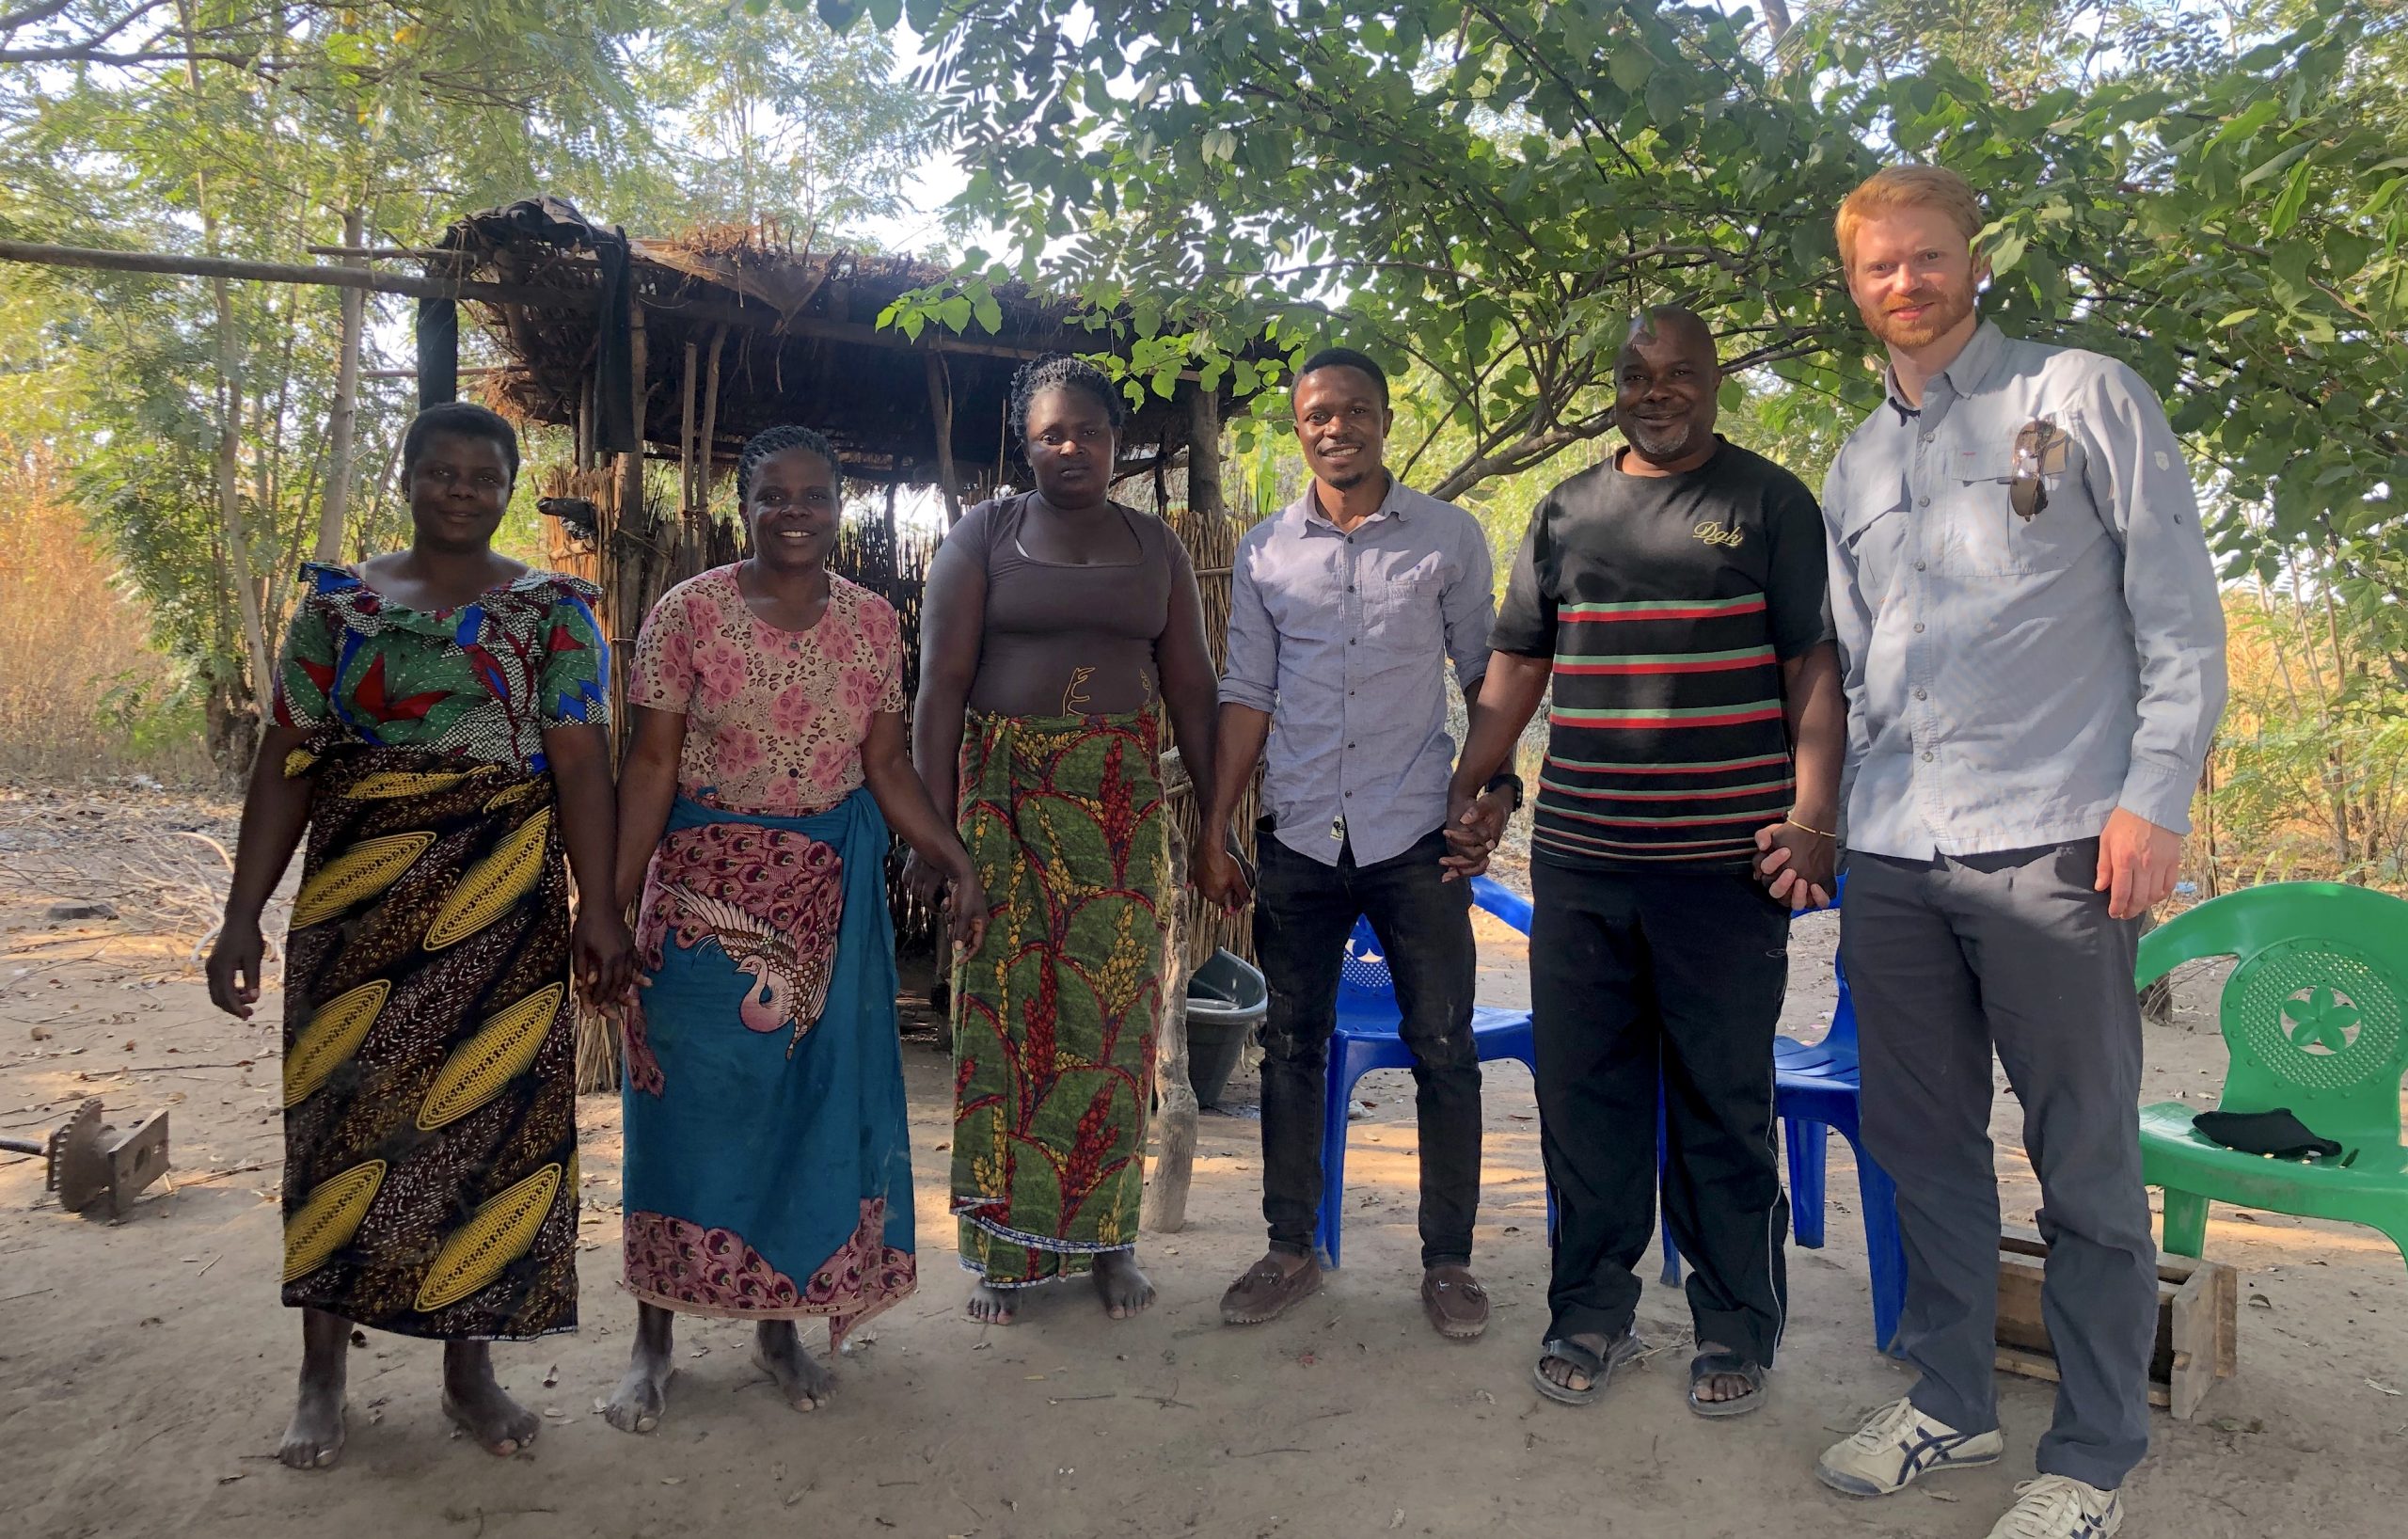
[1505, 778]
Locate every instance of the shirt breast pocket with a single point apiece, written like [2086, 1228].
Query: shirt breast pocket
[1405, 611]
[1987, 537]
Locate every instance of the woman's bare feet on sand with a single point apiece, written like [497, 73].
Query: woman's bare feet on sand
[313, 1440]
[1124, 1290]
[478, 1405]
[636, 1404]
[992, 1305]
[778, 1351]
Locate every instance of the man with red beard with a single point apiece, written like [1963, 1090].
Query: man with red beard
[2033, 649]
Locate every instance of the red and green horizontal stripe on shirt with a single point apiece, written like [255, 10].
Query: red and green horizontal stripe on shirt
[1667, 742]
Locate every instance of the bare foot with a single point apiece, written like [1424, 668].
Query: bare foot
[1123, 1288]
[992, 1305]
[313, 1439]
[777, 1351]
[477, 1405]
[636, 1404]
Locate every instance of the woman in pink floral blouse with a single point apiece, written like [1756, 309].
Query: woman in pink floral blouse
[767, 1172]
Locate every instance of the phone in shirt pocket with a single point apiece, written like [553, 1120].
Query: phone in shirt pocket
[2021, 503]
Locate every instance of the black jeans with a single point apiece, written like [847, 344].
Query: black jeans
[1302, 913]
[1640, 978]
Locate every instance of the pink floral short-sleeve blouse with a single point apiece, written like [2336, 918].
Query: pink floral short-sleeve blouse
[774, 718]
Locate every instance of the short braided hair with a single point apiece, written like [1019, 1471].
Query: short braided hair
[457, 419]
[777, 440]
[1061, 372]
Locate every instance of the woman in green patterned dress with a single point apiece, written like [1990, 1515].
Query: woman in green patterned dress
[440, 730]
[1063, 624]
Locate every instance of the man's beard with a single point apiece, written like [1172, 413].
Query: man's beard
[1665, 444]
[1346, 481]
[1944, 309]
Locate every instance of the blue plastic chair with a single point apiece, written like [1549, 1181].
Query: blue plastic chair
[1366, 1039]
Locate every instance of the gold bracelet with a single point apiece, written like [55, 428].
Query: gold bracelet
[1819, 834]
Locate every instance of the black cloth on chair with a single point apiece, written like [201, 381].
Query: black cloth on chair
[2276, 1133]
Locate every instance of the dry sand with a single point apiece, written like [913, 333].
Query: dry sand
[146, 1368]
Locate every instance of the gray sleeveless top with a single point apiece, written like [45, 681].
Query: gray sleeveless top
[1062, 639]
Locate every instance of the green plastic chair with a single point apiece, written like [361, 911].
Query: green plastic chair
[2316, 1019]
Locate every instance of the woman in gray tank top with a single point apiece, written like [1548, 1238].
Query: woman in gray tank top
[1057, 631]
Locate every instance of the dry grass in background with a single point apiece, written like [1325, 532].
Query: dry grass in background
[81, 693]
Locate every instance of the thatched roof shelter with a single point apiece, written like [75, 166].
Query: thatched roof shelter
[733, 328]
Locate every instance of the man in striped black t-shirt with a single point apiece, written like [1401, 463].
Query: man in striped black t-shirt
[1674, 595]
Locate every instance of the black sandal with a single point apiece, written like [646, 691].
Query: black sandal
[1707, 1365]
[1599, 1369]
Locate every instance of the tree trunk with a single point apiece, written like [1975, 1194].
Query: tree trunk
[343, 435]
[941, 409]
[1204, 493]
[229, 400]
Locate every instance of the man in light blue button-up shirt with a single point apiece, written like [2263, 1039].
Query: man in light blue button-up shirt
[1345, 611]
[2032, 646]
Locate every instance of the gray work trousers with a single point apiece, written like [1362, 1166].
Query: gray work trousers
[1948, 958]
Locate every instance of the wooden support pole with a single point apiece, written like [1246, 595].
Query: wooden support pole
[173, 264]
[706, 446]
[941, 409]
[629, 526]
[1165, 1210]
[686, 430]
[1176, 1108]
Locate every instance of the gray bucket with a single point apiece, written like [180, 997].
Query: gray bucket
[1226, 1000]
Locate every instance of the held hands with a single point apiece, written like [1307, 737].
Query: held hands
[1218, 876]
[1799, 865]
[1475, 824]
[604, 957]
[956, 895]
[2137, 860]
[965, 909]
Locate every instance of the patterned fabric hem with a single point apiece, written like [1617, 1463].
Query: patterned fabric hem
[714, 1273]
[568, 1329]
[962, 1209]
[979, 1271]
[840, 1324]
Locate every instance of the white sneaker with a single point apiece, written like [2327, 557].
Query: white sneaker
[2060, 1507]
[1898, 1445]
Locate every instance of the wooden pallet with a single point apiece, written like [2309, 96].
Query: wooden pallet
[2198, 1302]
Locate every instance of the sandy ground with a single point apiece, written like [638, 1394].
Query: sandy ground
[146, 1368]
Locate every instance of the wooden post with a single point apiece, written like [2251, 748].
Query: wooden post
[940, 408]
[1175, 1111]
[631, 463]
[584, 455]
[685, 431]
[336, 505]
[1166, 1211]
[705, 447]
